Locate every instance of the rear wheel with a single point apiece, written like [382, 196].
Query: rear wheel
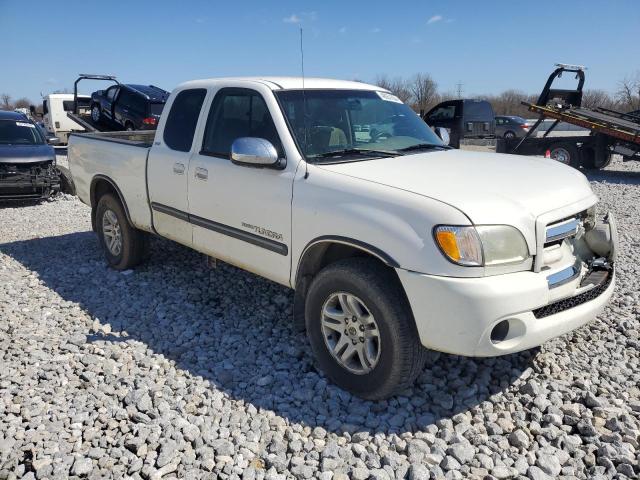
[509, 134]
[124, 246]
[361, 329]
[129, 127]
[566, 153]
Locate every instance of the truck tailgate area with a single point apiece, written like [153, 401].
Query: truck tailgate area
[116, 157]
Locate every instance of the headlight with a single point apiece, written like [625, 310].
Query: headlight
[484, 245]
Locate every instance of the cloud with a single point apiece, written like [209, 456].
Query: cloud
[342, 30]
[51, 81]
[376, 30]
[434, 19]
[201, 19]
[293, 18]
[301, 17]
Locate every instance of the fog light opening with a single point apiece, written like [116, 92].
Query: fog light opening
[500, 332]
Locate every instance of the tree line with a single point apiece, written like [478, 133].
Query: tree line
[421, 92]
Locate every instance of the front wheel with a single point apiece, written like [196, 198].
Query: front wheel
[124, 246]
[361, 329]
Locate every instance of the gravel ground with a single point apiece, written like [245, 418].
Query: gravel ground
[177, 370]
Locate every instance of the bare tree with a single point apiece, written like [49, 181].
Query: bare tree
[424, 92]
[628, 94]
[22, 103]
[5, 101]
[398, 86]
[597, 98]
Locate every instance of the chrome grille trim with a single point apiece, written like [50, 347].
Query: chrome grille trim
[564, 276]
[562, 230]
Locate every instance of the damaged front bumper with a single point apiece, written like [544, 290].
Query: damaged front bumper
[28, 180]
[502, 314]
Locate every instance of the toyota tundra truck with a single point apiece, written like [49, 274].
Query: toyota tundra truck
[393, 242]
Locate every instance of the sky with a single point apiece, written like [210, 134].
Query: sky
[487, 46]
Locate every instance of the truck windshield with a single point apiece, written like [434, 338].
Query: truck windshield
[358, 123]
[16, 132]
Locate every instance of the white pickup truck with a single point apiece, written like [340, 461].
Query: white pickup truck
[392, 241]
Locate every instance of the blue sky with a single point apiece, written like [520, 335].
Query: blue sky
[489, 46]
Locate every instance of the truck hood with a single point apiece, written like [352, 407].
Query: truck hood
[26, 153]
[488, 188]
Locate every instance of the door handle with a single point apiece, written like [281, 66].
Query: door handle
[202, 173]
[178, 168]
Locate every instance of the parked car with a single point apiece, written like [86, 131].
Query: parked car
[27, 160]
[508, 126]
[55, 107]
[466, 118]
[393, 242]
[129, 107]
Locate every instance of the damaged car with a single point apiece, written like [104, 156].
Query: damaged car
[27, 160]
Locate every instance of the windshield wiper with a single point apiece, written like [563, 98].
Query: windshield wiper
[424, 146]
[358, 151]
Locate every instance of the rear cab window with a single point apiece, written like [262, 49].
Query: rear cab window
[183, 118]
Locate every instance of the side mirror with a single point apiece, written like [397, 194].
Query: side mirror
[53, 140]
[255, 152]
[443, 134]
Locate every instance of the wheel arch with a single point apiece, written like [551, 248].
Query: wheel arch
[102, 185]
[322, 251]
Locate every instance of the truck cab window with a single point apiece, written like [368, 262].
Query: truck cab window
[183, 118]
[238, 113]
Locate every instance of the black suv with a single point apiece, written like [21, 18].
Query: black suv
[129, 107]
[466, 118]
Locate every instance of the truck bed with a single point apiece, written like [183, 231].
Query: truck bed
[119, 158]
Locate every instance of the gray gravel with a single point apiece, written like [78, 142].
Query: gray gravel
[176, 370]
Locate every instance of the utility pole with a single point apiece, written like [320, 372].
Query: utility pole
[459, 89]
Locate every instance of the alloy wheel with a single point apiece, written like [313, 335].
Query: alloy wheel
[351, 333]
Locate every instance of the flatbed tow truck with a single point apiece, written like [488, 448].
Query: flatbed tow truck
[610, 132]
[81, 113]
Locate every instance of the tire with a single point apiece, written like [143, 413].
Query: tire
[133, 242]
[566, 153]
[66, 181]
[399, 357]
[509, 134]
[129, 127]
[96, 114]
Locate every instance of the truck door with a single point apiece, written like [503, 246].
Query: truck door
[241, 214]
[168, 166]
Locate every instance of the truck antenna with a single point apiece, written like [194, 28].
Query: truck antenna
[304, 108]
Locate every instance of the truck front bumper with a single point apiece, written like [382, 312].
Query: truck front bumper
[461, 315]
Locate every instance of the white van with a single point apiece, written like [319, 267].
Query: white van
[55, 107]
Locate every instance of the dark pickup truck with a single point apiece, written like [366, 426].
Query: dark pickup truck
[129, 106]
[464, 118]
[27, 162]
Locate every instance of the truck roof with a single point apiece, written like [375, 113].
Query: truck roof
[65, 96]
[287, 83]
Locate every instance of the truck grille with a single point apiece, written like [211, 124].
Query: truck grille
[567, 303]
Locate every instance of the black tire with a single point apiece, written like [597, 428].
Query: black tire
[565, 152]
[133, 241]
[129, 127]
[509, 134]
[401, 356]
[66, 181]
[96, 114]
